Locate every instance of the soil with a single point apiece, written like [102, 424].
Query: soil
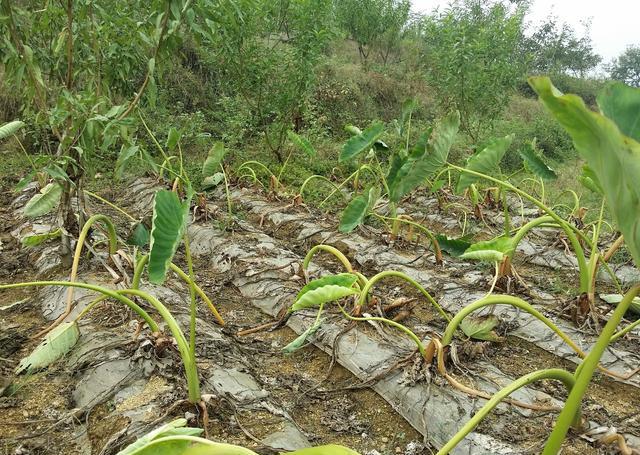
[320, 398]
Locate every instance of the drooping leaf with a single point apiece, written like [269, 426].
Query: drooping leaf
[361, 142]
[589, 180]
[621, 104]
[125, 155]
[173, 138]
[45, 201]
[214, 158]
[420, 147]
[56, 343]
[353, 130]
[174, 428]
[327, 293]
[408, 107]
[57, 173]
[340, 279]
[35, 240]
[212, 181]
[24, 181]
[485, 161]
[534, 164]
[357, 209]
[453, 247]
[493, 250]
[302, 143]
[418, 167]
[481, 328]
[301, 339]
[614, 299]
[613, 156]
[11, 128]
[169, 221]
[139, 236]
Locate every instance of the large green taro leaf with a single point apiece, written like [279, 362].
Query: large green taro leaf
[169, 221]
[358, 208]
[45, 201]
[486, 161]
[621, 104]
[613, 157]
[493, 250]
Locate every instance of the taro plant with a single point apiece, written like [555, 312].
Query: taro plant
[175, 438]
[406, 169]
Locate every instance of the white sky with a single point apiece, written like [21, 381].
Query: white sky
[615, 24]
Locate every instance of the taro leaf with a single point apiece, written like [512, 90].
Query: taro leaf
[486, 161]
[35, 240]
[408, 107]
[589, 180]
[45, 201]
[341, 279]
[214, 158]
[420, 147]
[357, 209]
[212, 181]
[621, 104]
[9, 129]
[481, 328]
[174, 428]
[614, 299]
[169, 221]
[353, 130]
[24, 181]
[493, 250]
[361, 142]
[173, 138]
[126, 153]
[139, 236]
[415, 170]
[300, 341]
[216, 448]
[302, 143]
[614, 157]
[56, 344]
[57, 173]
[324, 294]
[330, 449]
[534, 164]
[437, 185]
[453, 247]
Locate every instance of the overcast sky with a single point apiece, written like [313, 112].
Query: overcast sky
[615, 24]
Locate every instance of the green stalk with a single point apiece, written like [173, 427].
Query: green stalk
[329, 249]
[324, 179]
[395, 324]
[137, 275]
[584, 374]
[108, 292]
[561, 375]
[392, 273]
[345, 181]
[192, 297]
[227, 192]
[568, 229]
[504, 300]
[110, 204]
[247, 164]
[432, 238]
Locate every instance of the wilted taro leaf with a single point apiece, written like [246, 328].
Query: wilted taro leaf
[301, 339]
[139, 236]
[534, 164]
[45, 201]
[214, 158]
[35, 240]
[212, 181]
[302, 143]
[481, 328]
[174, 428]
[493, 250]
[56, 344]
[614, 299]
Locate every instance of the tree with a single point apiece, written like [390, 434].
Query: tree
[473, 59]
[626, 68]
[373, 24]
[555, 48]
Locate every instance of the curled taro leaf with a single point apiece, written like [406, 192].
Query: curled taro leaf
[46, 200]
[534, 164]
[139, 235]
[357, 209]
[453, 247]
[323, 290]
[37, 239]
[481, 328]
[493, 250]
[302, 143]
[11, 128]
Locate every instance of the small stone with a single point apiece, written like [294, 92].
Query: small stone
[385, 439]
